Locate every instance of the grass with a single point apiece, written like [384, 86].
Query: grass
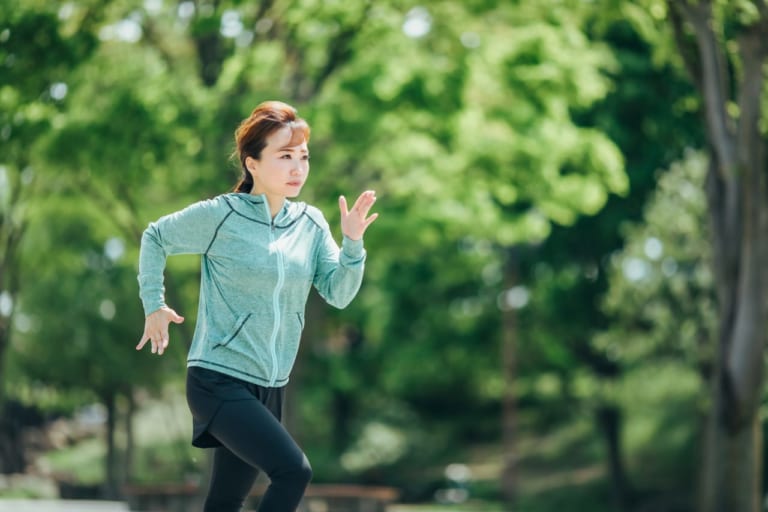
[82, 462]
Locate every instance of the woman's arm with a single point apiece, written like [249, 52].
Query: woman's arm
[188, 231]
[340, 272]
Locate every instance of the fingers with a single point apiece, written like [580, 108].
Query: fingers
[162, 343]
[343, 206]
[156, 329]
[158, 343]
[370, 220]
[361, 206]
[143, 341]
[364, 202]
[175, 317]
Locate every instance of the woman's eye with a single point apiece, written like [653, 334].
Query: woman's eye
[286, 157]
[305, 157]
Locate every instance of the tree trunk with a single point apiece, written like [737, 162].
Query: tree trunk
[609, 420]
[110, 470]
[12, 454]
[731, 473]
[12, 227]
[509, 371]
[130, 444]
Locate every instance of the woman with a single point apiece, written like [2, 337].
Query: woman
[261, 253]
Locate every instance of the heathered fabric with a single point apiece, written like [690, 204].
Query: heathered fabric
[256, 276]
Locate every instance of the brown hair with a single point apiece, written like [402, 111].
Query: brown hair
[251, 135]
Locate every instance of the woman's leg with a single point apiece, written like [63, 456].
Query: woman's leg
[231, 481]
[250, 432]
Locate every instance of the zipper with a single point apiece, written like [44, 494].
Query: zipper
[275, 298]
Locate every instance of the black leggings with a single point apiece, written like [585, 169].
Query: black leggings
[254, 439]
[242, 421]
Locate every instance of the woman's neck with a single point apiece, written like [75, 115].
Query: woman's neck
[275, 203]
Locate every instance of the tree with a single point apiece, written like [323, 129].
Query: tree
[723, 48]
[731, 80]
[35, 60]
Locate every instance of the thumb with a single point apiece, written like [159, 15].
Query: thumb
[175, 317]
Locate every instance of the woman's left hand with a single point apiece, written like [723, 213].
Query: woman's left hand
[354, 222]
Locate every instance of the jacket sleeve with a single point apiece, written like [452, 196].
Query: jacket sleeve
[339, 272]
[188, 231]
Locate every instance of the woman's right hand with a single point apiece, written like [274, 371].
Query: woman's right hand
[156, 329]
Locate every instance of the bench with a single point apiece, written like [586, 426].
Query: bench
[183, 497]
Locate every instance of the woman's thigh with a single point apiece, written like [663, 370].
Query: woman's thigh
[251, 432]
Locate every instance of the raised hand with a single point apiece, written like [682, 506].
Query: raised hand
[354, 222]
[156, 329]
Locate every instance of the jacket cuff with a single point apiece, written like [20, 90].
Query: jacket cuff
[352, 249]
[151, 307]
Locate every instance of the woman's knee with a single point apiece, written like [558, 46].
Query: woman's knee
[298, 473]
[305, 470]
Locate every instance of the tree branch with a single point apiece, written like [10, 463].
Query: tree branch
[688, 50]
[714, 80]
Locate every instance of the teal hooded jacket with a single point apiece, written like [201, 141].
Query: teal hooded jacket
[256, 274]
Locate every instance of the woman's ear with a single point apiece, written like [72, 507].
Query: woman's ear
[251, 164]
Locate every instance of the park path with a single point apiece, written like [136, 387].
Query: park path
[61, 506]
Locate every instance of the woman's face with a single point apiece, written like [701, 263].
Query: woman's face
[283, 167]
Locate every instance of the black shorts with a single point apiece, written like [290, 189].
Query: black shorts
[207, 390]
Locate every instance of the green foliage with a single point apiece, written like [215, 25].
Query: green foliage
[662, 292]
[481, 124]
[79, 322]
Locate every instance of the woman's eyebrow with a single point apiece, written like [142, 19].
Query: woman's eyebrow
[293, 149]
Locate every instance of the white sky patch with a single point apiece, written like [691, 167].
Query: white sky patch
[127, 30]
[516, 297]
[418, 22]
[58, 91]
[6, 304]
[231, 24]
[636, 269]
[107, 309]
[4, 184]
[66, 11]
[114, 248]
[153, 6]
[186, 10]
[653, 248]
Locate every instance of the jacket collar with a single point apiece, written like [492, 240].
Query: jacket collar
[256, 207]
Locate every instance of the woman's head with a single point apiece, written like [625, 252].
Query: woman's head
[254, 132]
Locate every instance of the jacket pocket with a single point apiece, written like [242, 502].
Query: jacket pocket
[236, 328]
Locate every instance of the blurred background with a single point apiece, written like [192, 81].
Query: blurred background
[551, 291]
